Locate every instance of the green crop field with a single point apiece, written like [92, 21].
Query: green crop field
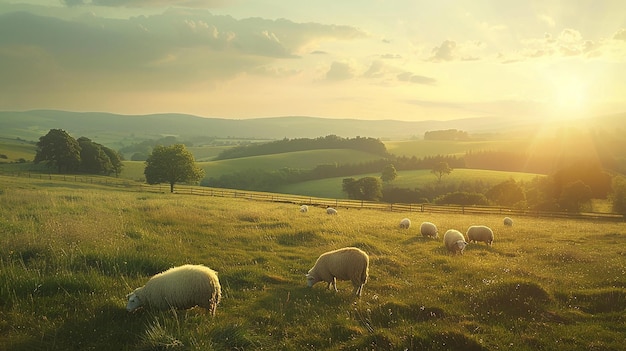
[16, 150]
[423, 148]
[70, 252]
[332, 187]
[299, 160]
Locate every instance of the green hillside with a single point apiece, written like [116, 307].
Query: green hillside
[331, 187]
[423, 148]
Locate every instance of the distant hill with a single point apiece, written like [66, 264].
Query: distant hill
[107, 127]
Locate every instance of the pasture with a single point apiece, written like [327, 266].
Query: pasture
[70, 252]
[332, 187]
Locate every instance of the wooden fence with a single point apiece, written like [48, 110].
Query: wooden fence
[313, 201]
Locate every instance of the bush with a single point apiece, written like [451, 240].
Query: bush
[462, 198]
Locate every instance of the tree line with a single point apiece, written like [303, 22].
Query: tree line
[370, 145]
[57, 149]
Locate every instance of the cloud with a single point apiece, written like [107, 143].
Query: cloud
[620, 35]
[339, 71]
[549, 21]
[147, 3]
[417, 79]
[171, 50]
[444, 52]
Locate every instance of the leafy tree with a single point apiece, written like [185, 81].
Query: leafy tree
[92, 158]
[507, 193]
[371, 187]
[440, 169]
[116, 160]
[618, 196]
[389, 173]
[575, 195]
[462, 198]
[368, 188]
[58, 149]
[171, 164]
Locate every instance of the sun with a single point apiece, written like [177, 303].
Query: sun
[570, 99]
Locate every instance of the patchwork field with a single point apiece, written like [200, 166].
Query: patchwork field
[70, 252]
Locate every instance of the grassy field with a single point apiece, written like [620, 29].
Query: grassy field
[16, 150]
[423, 148]
[69, 253]
[331, 187]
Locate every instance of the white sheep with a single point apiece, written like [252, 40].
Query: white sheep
[348, 263]
[454, 241]
[508, 221]
[405, 223]
[429, 229]
[331, 211]
[179, 287]
[304, 208]
[480, 233]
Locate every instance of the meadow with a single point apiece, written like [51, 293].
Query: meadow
[70, 252]
[332, 187]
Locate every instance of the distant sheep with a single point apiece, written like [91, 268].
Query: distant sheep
[331, 211]
[480, 233]
[405, 223]
[429, 230]
[348, 263]
[304, 208]
[454, 241]
[179, 287]
[508, 221]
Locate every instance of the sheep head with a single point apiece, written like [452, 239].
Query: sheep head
[134, 302]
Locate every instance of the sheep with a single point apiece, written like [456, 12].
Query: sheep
[331, 211]
[454, 241]
[304, 208]
[179, 287]
[405, 223]
[508, 221]
[348, 263]
[480, 233]
[429, 229]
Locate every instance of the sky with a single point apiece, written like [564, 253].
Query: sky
[364, 59]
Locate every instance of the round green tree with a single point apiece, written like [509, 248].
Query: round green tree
[172, 164]
[58, 149]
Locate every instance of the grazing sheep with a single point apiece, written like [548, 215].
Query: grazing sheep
[429, 229]
[480, 233]
[179, 287]
[508, 221]
[405, 223]
[331, 211]
[304, 208]
[348, 263]
[454, 241]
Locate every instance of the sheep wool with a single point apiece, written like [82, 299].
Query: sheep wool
[508, 221]
[429, 229]
[478, 233]
[304, 208]
[405, 223]
[331, 211]
[180, 287]
[454, 241]
[348, 263]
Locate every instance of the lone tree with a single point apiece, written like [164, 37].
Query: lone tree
[58, 149]
[389, 173]
[368, 188]
[441, 169]
[172, 164]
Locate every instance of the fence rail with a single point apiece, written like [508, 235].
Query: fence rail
[313, 201]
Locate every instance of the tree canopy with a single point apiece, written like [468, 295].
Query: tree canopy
[440, 169]
[172, 164]
[58, 149]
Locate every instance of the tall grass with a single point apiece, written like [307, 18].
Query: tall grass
[70, 253]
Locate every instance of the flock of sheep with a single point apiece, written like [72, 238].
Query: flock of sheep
[189, 285]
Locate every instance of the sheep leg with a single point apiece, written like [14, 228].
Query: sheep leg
[335, 284]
